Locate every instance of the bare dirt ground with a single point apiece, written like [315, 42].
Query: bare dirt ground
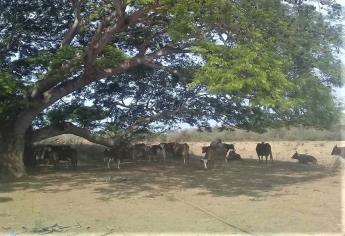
[169, 198]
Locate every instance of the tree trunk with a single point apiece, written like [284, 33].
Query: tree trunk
[11, 156]
[12, 146]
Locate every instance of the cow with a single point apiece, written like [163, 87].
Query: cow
[168, 149]
[339, 151]
[156, 152]
[40, 154]
[304, 158]
[108, 158]
[181, 150]
[264, 149]
[233, 156]
[216, 150]
[207, 158]
[116, 154]
[139, 151]
[56, 154]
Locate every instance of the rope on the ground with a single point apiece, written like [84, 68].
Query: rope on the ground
[215, 216]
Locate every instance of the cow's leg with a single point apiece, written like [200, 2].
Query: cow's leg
[118, 163]
[204, 162]
[55, 160]
[164, 154]
[133, 155]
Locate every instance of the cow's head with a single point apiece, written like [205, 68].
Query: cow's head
[335, 150]
[295, 156]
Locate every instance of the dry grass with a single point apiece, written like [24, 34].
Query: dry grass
[160, 198]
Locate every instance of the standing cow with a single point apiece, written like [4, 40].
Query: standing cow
[116, 154]
[139, 151]
[264, 150]
[216, 151]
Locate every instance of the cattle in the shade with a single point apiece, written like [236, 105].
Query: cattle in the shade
[264, 150]
[59, 153]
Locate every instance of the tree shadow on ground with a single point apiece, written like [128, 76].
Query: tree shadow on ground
[149, 180]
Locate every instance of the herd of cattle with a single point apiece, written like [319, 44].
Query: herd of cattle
[217, 150]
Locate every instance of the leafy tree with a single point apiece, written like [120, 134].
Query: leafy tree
[129, 67]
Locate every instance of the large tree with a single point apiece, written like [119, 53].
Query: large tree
[134, 66]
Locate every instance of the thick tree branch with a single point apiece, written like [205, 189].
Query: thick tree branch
[73, 30]
[69, 86]
[69, 128]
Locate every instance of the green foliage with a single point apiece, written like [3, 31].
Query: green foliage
[251, 70]
[85, 116]
[8, 84]
[110, 57]
[11, 90]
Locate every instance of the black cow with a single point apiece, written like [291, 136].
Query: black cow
[339, 151]
[264, 149]
[116, 154]
[156, 152]
[304, 158]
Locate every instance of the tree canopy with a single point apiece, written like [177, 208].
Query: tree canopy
[136, 66]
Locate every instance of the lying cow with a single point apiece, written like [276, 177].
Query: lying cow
[339, 151]
[264, 150]
[233, 156]
[304, 158]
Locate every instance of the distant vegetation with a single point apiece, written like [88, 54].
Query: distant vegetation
[293, 133]
[336, 133]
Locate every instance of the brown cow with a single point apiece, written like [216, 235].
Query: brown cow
[181, 150]
[233, 156]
